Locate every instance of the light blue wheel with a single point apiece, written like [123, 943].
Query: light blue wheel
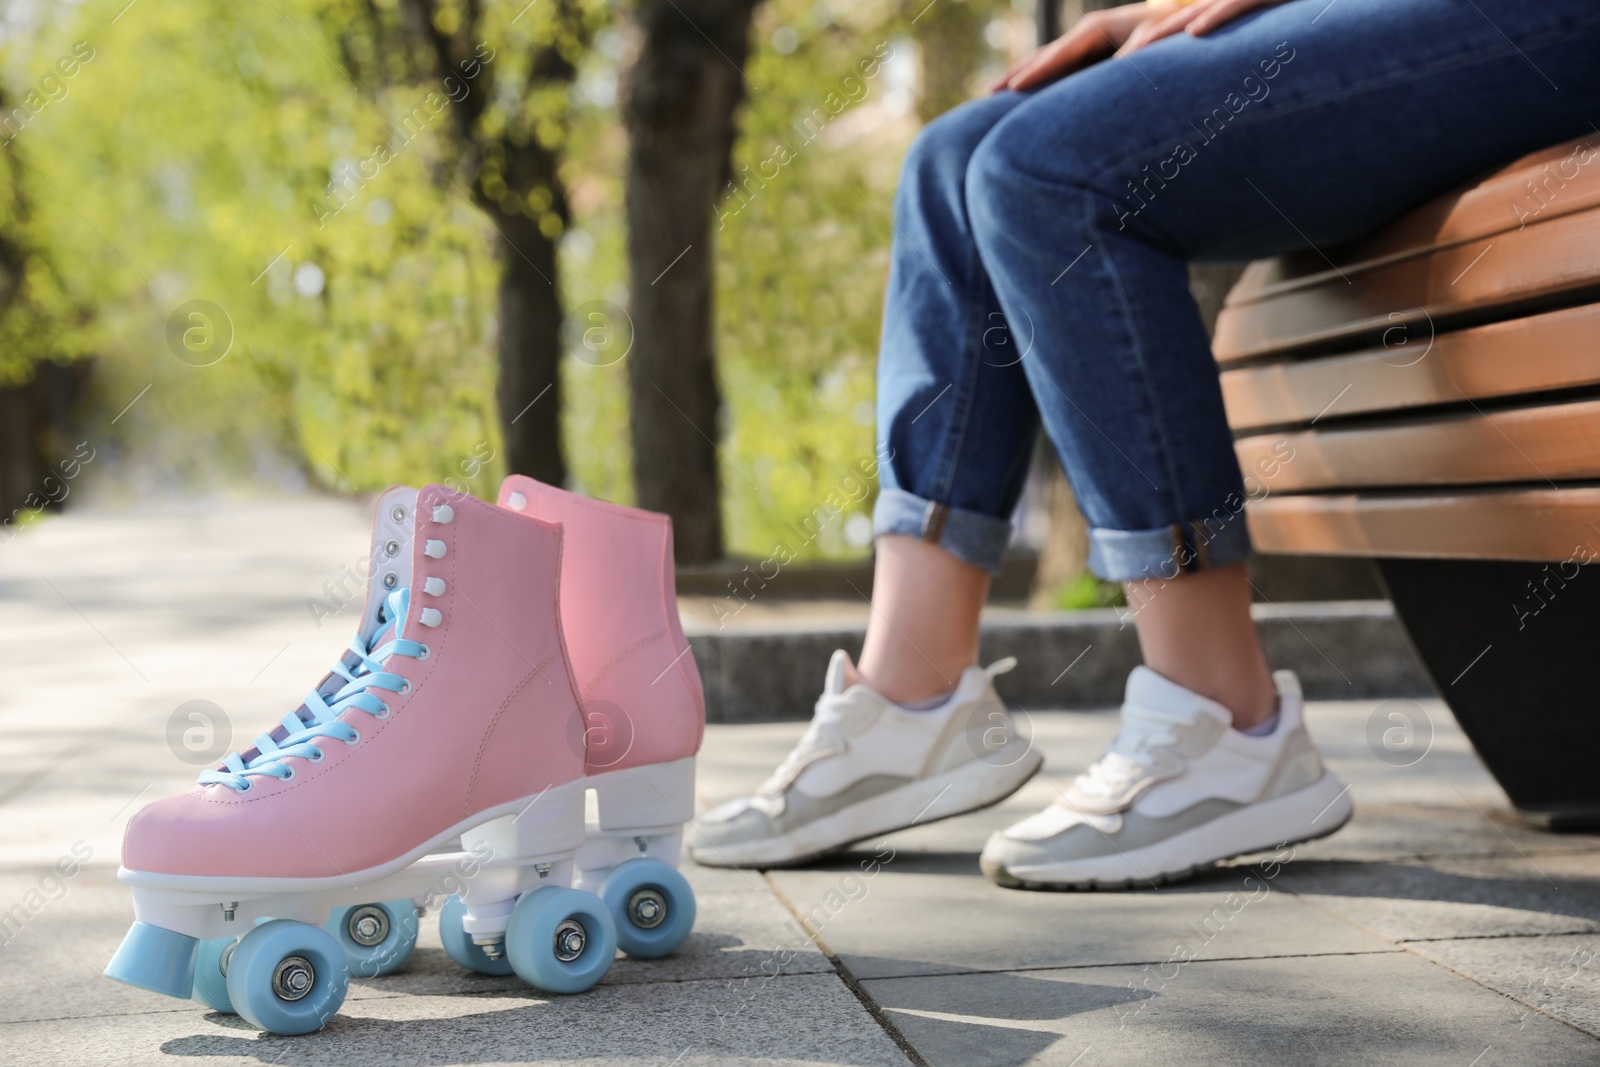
[458, 943]
[652, 905]
[561, 940]
[377, 938]
[287, 977]
[211, 974]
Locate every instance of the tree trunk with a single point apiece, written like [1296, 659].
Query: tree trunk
[950, 40]
[678, 108]
[512, 171]
[529, 389]
[1065, 552]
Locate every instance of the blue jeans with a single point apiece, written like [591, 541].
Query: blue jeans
[1039, 269]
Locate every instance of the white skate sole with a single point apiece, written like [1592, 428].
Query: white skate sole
[505, 876]
[1315, 811]
[505, 851]
[969, 787]
[633, 812]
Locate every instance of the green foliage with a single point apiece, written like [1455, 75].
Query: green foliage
[803, 251]
[1087, 591]
[802, 260]
[192, 161]
[37, 316]
[502, 70]
[594, 273]
[292, 164]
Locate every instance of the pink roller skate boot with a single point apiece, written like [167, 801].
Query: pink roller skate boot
[437, 757]
[643, 707]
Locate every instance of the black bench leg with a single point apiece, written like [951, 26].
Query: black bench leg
[1512, 649]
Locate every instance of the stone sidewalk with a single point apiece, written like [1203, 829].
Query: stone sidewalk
[1434, 929]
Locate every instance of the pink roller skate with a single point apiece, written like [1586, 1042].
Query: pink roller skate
[643, 707]
[442, 754]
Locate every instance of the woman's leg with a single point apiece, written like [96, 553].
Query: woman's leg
[956, 422]
[925, 737]
[1197, 631]
[923, 631]
[1308, 123]
[1303, 124]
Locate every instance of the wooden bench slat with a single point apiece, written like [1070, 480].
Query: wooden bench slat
[1535, 525]
[1538, 187]
[1471, 301]
[1553, 350]
[1549, 259]
[1547, 442]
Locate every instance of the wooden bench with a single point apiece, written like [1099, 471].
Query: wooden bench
[1438, 383]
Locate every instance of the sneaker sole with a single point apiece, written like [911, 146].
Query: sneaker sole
[1319, 809]
[960, 791]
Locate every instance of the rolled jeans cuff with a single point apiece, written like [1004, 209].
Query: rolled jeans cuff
[970, 536]
[1168, 551]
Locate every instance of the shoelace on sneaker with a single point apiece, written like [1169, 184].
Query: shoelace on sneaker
[319, 716]
[1127, 758]
[821, 739]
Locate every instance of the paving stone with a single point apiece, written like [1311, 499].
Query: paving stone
[54, 956]
[1558, 975]
[964, 922]
[1382, 1009]
[145, 611]
[1382, 832]
[1552, 893]
[1430, 796]
[788, 1020]
[51, 963]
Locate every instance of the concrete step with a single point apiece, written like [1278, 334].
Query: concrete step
[1342, 650]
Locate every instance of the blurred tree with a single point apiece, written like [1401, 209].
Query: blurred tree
[679, 97]
[35, 333]
[803, 234]
[505, 88]
[36, 312]
[950, 35]
[217, 154]
[178, 166]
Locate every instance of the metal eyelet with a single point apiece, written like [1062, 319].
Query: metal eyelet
[390, 581]
[288, 777]
[384, 714]
[405, 687]
[318, 758]
[356, 740]
[391, 547]
[424, 654]
[397, 513]
[248, 785]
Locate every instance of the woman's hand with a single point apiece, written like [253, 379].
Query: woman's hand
[1197, 19]
[1097, 35]
[1119, 31]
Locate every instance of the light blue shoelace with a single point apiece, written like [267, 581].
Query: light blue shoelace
[321, 714]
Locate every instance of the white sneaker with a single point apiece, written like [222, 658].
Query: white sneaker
[866, 767]
[1179, 789]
